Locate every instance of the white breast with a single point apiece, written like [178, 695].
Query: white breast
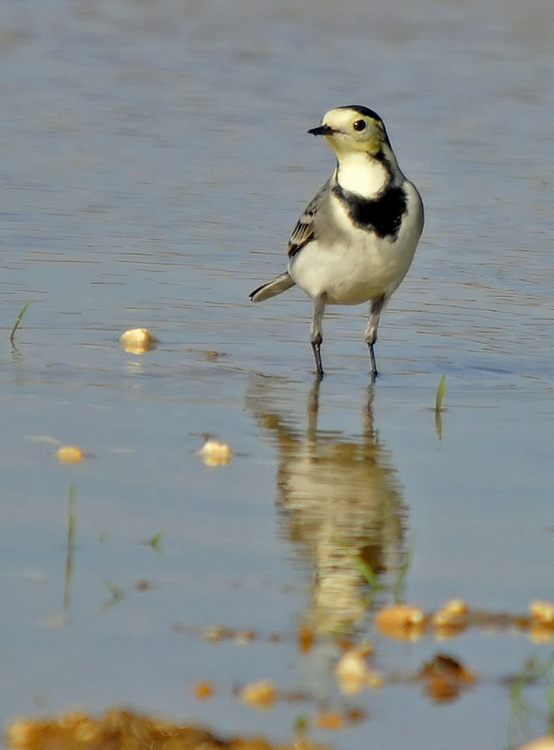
[360, 175]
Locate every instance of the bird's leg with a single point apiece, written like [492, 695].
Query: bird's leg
[316, 336]
[371, 330]
[313, 409]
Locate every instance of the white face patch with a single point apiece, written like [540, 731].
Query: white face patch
[361, 175]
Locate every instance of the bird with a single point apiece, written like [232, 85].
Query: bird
[356, 239]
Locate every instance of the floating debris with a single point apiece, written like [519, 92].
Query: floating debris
[305, 638]
[402, 621]
[118, 728]
[542, 612]
[69, 454]
[138, 340]
[260, 694]
[203, 690]
[541, 629]
[215, 454]
[353, 672]
[143, 584]
[215, 633]
[329, 720]
[451, 619]
[444, 678]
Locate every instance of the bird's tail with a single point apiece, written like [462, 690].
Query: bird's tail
[272, 288]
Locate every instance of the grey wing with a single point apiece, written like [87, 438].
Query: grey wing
[304, 230]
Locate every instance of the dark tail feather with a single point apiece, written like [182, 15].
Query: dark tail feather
[272, 288]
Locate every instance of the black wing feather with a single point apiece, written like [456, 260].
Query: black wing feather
[304, 230]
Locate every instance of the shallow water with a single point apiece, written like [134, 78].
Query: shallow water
[154, 160]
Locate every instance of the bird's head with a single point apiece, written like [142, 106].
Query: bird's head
[353, 128]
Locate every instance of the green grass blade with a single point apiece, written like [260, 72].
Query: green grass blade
[368, 573]
[19, 319]
[438, 406]
[402, 572]
[440, 394]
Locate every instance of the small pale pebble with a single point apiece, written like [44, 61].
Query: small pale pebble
[353, 672]
[137, 340]
[542, 612]
[260, 694]
[215, 454]
[401, 621]
[69, 454]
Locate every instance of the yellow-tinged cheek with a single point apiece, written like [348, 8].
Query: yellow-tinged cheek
[373, 144]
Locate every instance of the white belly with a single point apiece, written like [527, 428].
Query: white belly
[350, 266]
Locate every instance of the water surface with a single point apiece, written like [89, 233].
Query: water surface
[154, 160]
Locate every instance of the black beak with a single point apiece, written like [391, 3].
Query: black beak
[322, 130]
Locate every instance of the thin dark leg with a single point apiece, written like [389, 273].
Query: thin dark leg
[316, 347]
[371, 331]
[316, 335]
[374, 371]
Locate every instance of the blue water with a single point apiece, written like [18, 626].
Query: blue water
[154, 160]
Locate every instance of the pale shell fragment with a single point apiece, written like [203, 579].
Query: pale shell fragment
[353, 672]
[451, 619]
[401, 621]
[137, 340]
[215, 454]
[542, 612]
[260, 694]
[69, 454]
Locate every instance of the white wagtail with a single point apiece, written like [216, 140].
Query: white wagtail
[356, 240]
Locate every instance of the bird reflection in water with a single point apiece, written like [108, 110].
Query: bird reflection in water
[339, 500]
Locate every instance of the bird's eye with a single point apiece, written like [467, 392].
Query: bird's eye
[359, 125]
